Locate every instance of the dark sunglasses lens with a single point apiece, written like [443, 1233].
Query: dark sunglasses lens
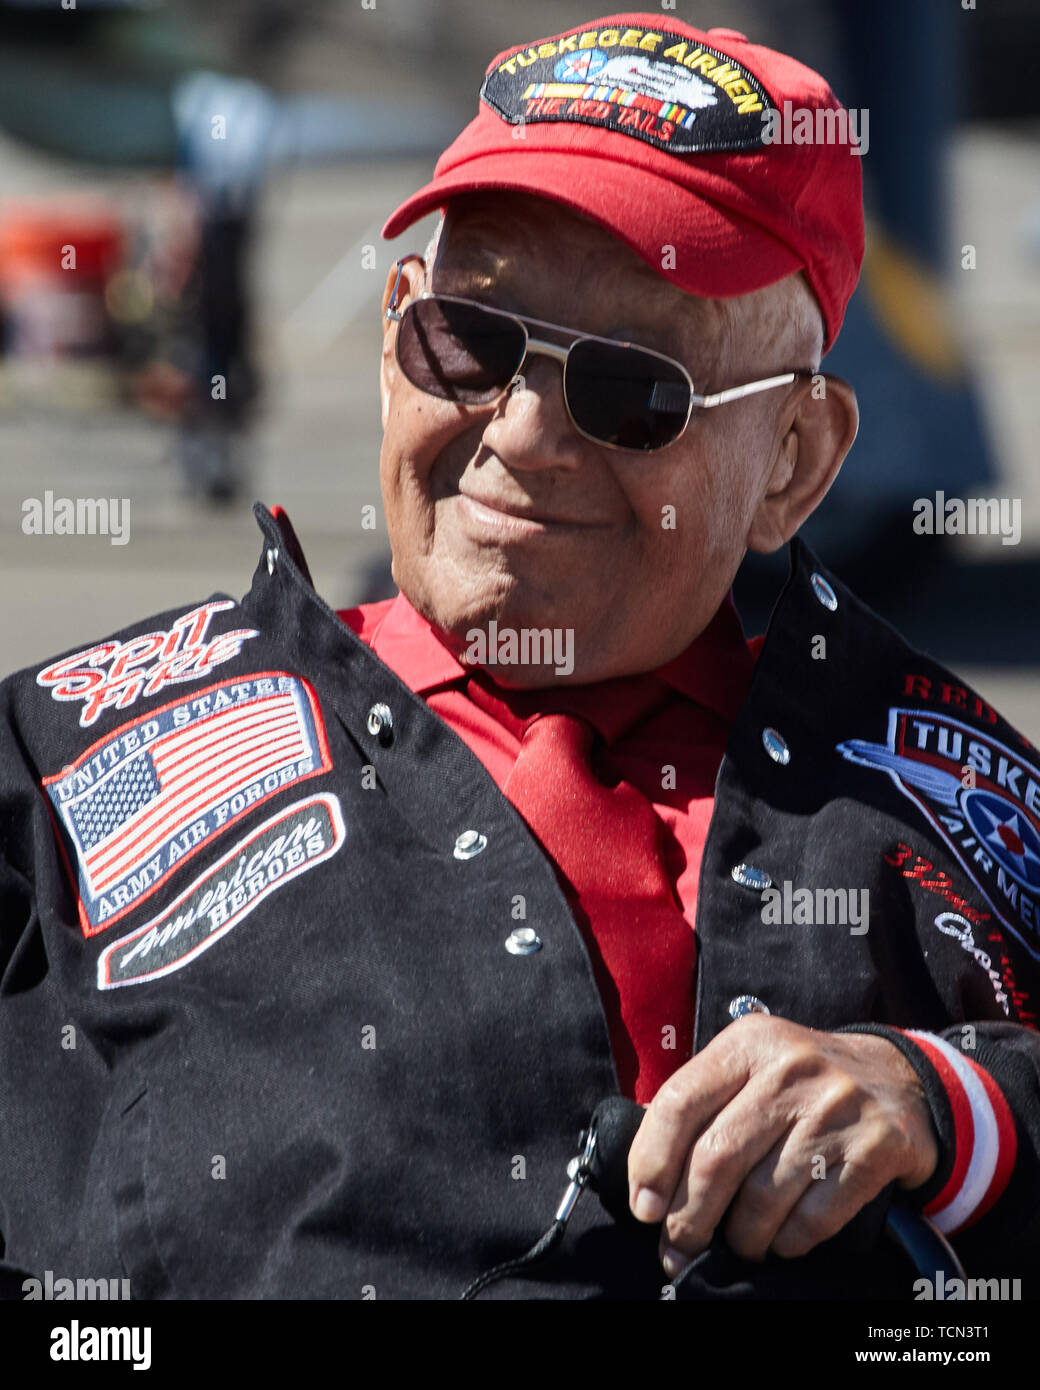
[459, 352]
[626, 397]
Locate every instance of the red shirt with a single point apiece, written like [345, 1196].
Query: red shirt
[687, 731]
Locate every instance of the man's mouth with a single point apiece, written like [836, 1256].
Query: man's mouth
[509, 515]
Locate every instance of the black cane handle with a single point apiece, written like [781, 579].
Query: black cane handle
[616, 1120]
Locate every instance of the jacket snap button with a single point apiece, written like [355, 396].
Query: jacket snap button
[746, 1004]
[524, 941]
[272, 559]
[380, 722]
[824, 592]
[750, 877]
[469, 843]
[776, 747]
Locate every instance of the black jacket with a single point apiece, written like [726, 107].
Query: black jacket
[271, 1043]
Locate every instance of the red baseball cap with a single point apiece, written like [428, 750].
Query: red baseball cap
[724, 165]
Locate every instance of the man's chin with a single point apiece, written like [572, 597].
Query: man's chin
[528, 677]
[516, 648]
[458, 611]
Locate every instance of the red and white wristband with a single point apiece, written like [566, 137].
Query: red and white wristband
[985, 1142]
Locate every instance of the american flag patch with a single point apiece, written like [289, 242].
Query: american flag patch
[151, 795]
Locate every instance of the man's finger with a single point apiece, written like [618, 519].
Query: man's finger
[769, 1193]
[826, 1206]
[731, 1146]
[685, 1105]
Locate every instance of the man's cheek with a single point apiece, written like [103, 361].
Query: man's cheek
[421, 424]
[409, 482]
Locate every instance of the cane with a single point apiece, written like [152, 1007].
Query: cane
[615, 1121]
[603, 1166]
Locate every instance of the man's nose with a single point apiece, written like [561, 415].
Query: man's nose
[531, 428]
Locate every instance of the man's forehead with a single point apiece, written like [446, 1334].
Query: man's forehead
[487, 226]
[519, 239]
[505, 240]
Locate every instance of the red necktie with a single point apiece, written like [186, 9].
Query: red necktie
[603, 836]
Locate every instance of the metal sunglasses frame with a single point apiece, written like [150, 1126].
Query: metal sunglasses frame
[561, 354]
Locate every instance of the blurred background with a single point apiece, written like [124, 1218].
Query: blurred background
[223, 172]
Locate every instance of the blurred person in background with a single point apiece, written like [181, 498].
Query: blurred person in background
[127, 84]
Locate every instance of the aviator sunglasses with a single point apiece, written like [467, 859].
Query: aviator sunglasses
[617, 394]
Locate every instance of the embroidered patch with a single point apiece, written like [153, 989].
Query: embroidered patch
[953, 924]
[283, 848]
[654, 85]
[983, 799]
[149, 796]
[922, 871]
[115, 673]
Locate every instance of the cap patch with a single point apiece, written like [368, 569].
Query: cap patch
[664, 89]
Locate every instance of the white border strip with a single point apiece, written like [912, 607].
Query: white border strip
[985, 1149]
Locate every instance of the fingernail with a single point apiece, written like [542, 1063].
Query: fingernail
[674, 1263]
[648, 1206]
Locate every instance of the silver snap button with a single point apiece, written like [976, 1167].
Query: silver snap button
[776, 747]
[272, 559]
[746, 1004]
[824, 592]
[750, 877]
[380, 722]
[469, 843]
[524, 941]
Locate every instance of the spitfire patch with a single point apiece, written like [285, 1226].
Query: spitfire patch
[113, 674]
[659, 87]
[981, 796]
[278, 851]
[146, 798]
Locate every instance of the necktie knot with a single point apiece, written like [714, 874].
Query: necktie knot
[572, 731]
[608, 708]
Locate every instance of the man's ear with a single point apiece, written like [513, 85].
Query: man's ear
[818, 427]
[412, 278]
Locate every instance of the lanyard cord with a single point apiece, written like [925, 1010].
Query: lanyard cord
[578, 1171]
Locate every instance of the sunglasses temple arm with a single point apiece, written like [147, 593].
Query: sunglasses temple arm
[392, 311]
[750, 389]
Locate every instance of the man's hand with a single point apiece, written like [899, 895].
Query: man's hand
[791, 1129]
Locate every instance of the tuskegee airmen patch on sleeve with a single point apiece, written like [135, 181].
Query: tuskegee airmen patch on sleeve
[658, 87]
[981, 796]
[150, 795]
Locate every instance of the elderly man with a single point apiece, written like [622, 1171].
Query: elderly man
[325, 934]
